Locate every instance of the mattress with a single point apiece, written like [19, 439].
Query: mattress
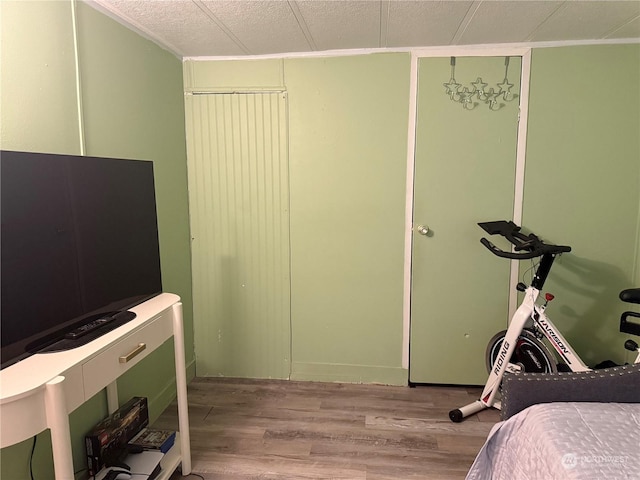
[565, 441]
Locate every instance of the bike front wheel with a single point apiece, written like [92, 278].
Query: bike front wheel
[531, 354]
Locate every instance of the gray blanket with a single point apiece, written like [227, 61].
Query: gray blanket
[587, 441]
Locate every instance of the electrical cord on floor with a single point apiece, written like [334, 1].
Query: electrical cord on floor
[33, 449]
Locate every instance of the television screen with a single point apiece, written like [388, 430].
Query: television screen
[79, 243]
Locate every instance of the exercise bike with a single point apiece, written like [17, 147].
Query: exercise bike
[520, 347]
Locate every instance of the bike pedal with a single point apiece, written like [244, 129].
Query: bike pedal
[514, 368]
[631, 345]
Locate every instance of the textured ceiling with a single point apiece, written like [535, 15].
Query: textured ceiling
[193, 28]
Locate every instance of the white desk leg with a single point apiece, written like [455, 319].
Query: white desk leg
[58, 422]
[181, 384]
[112, 397]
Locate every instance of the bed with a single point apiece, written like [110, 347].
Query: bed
[565, 426]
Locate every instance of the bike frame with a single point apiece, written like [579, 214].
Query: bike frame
[527, 311]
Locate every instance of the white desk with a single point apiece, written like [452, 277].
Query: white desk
[40, 391]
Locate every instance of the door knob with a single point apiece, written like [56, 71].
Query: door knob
[423, 230]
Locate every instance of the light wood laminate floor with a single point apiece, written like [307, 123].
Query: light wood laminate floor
[271, 429]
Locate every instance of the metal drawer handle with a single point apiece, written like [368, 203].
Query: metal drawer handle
[133, 353]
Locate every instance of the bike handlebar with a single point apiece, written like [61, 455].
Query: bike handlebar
[525, 246]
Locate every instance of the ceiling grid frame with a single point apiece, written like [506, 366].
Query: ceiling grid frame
[621, 26]
[221, 25]
[384, 23]
[293, 5]
[533, 32]
[468, 18]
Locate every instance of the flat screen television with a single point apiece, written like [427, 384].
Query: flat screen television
[79, 241]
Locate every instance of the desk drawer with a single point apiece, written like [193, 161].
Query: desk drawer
[104, 368]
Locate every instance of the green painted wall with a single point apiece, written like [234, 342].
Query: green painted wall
[582, 186]
[38, 88]
[348, 120]
[233, 75]
[132, 107]
[347, 159]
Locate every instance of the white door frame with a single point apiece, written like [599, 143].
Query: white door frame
[480, 51]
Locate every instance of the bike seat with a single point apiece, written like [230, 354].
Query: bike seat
[630, 295]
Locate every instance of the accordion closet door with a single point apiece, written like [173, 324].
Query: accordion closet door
[239, 209]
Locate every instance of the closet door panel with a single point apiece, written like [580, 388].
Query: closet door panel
[239, 209]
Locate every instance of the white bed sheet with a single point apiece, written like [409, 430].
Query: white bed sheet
[586, 441]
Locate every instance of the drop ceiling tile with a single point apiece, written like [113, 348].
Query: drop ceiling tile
[587, 20]
[261, 26]
[424, 23]
[178, 24]
[342, 24]
[240, 27]
[506, 21]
